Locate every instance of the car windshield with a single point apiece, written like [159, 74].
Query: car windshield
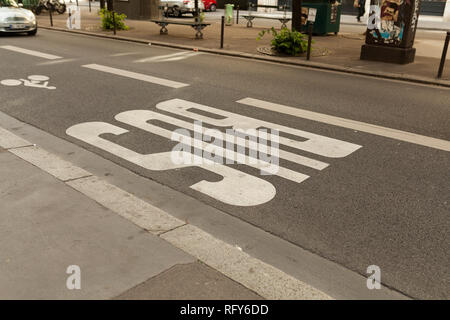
[8, 3]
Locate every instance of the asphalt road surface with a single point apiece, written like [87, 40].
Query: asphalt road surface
[346, 190]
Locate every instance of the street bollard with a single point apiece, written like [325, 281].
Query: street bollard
[310, 30]
[50, 9]
[77, 3]
[444, 55]
[89, 5]
[222, 29]
[114, 22]
[237, 14]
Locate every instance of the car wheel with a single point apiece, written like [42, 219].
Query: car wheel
[32, 33]
[177, 12]
[212, 8]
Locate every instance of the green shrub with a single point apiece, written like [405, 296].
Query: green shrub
[107, 20]
[286, 41]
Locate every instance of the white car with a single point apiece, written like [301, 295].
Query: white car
[15, 19]
[178, 7]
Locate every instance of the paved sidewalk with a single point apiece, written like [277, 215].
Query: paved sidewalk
[341, 51]
[56, 217]
[46, 226]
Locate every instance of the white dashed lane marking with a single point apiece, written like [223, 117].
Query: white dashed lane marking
[31, 52]
[137, 76]
[123, 54]
[169, 57]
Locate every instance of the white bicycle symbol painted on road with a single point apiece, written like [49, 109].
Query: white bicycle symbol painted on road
[36, 81]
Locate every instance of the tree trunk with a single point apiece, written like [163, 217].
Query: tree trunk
[297, 15]
[110, 5]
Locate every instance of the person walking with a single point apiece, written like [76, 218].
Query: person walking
[361, 5]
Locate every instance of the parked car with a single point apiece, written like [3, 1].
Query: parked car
[210, 5]
[180, 7]
[15, 19]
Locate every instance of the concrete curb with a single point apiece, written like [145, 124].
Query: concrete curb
[262, 278]
[313, 65]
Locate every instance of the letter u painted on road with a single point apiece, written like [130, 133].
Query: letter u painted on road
[236, 187]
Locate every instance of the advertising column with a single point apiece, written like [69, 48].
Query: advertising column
[391, 29]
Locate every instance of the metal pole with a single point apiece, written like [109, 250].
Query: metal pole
[89, 5]
[77, 3]
[310, 29]
[444, 55]
[197, 13]
[114, 22]
[222, 30]
[50, 9]
[237, 14]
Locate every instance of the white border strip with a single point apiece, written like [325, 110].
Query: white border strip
[31, 52]
[9, 140]
[264, 279]
[48, 162]
[350, 124]
[137, 76]
[125, 204]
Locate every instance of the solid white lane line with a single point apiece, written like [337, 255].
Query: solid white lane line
[137, 76]
[31, 52]
[350, 124]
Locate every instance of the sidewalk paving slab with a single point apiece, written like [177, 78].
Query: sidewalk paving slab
[46, 226]
[199, 282]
